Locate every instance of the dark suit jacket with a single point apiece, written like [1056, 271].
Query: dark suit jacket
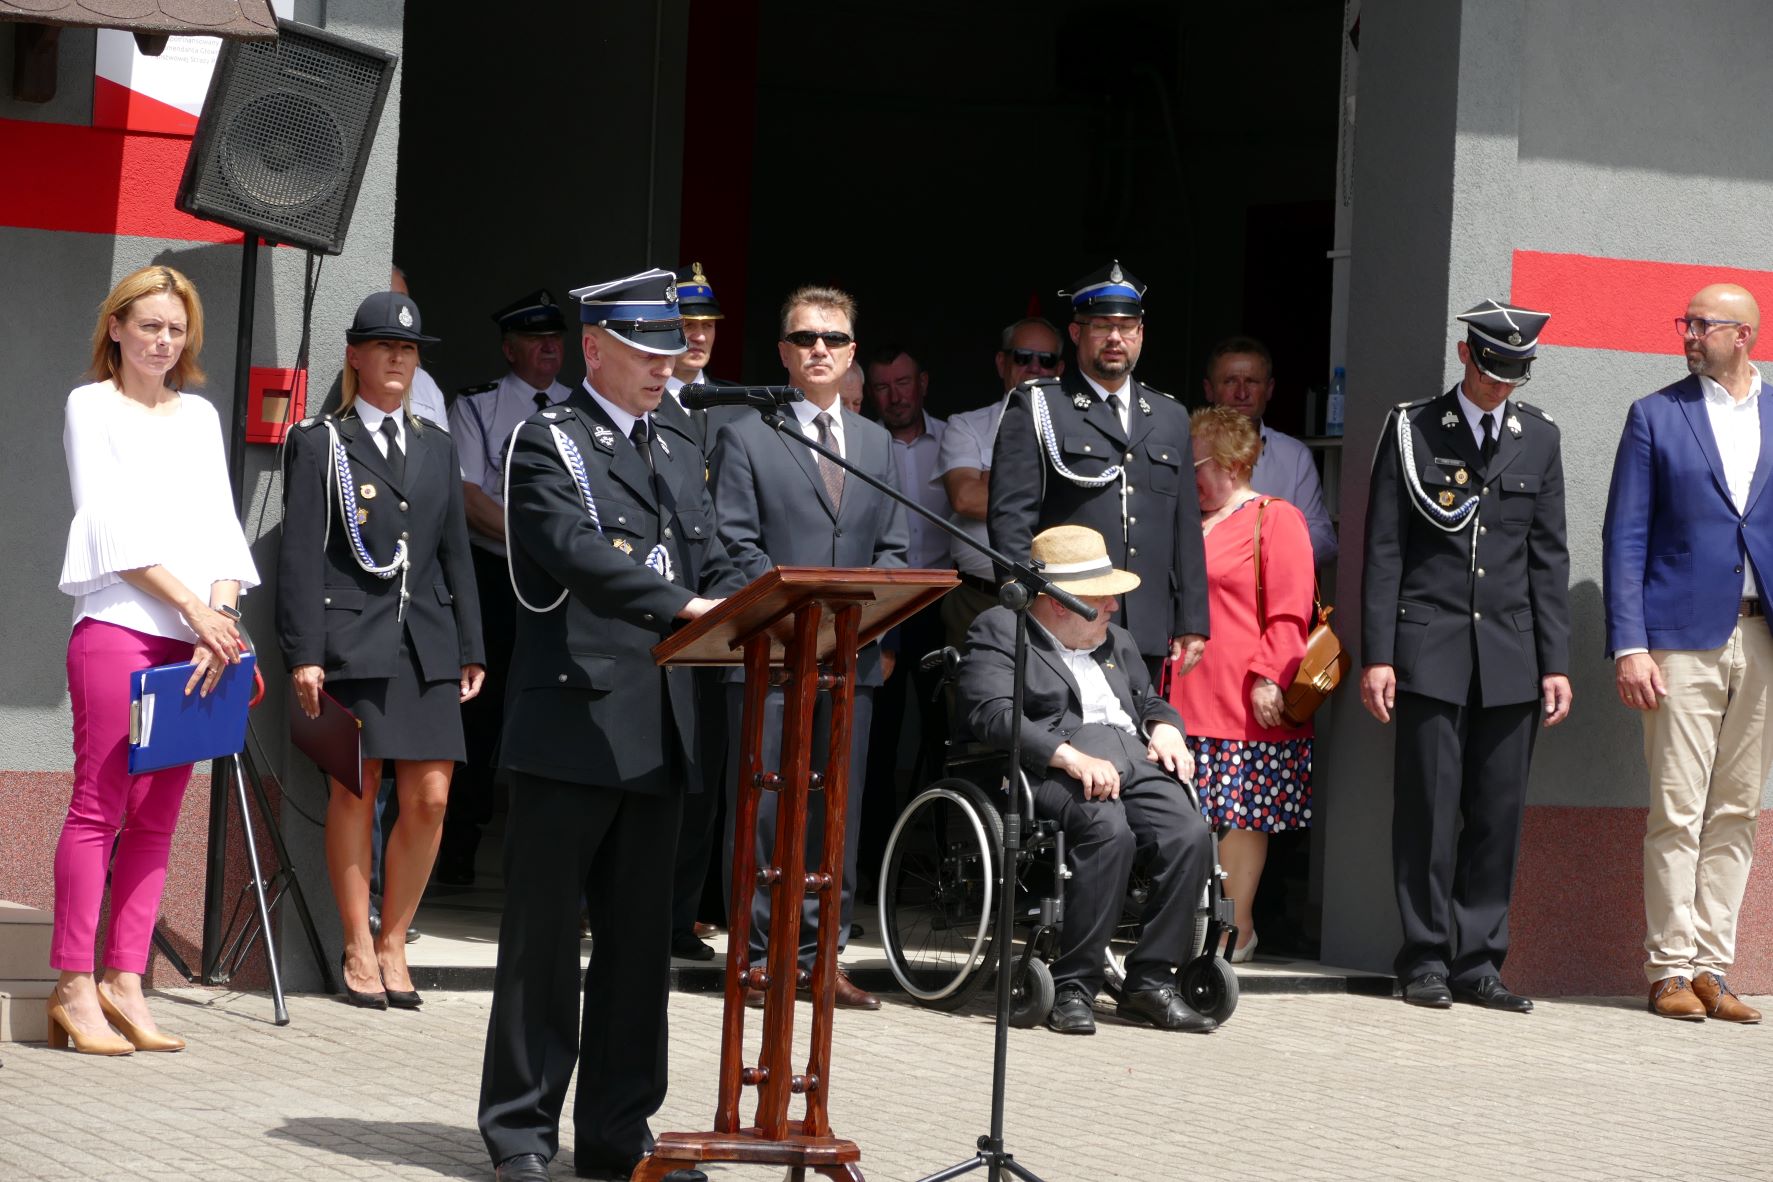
[330, 612]
[1160, 540]
[773, 509]
[697, 427]
[586, 702]
[1429, 603]
[1673, 544]
[1052, 707]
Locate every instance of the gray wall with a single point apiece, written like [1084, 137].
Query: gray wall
[48, 324]
[1486, 127]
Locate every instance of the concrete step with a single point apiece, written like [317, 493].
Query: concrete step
[24, 943]
[22, 1017]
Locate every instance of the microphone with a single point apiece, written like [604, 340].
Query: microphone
[700, 397]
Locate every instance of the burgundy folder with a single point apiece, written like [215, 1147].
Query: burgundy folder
[334, 741]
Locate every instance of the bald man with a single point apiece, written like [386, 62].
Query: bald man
[1688, 543]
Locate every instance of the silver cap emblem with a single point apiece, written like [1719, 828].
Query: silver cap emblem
[405, 316]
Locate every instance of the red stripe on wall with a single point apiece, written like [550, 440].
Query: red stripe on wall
[1624, 304]
[91, 180]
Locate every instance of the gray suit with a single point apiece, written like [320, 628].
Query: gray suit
[772, 509]
[1154, 819]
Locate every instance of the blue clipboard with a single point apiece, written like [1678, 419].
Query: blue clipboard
[168, 728]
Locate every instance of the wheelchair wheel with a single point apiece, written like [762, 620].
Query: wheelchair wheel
[1209, 984]
[1031, 998]
[938, 892]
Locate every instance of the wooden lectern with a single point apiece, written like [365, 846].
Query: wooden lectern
[808, 623]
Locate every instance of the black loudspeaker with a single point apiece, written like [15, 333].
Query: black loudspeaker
[285, 136]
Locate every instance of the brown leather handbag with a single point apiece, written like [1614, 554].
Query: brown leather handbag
[1325, 663]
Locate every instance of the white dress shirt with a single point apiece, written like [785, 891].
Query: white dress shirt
[1126, 406]
[1286, 470]
[482, 424]
[1736, 428]
[427, 399]
[916, 461]
[624, 420]
[806, 411]
[1099, 701]
[1474, 417]
[372, 417]
[966, 443]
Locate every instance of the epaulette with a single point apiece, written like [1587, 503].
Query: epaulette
[1535, 412]
[555, 414]
[1418, 402]
[1155, 390]
[311, 421]
[483, 388]
[425, 422]
[1031, 382]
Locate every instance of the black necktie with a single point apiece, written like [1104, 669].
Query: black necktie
[396, 457]
[1489, 445]
[1114, 404]
[639, 435]
[541, 400]
[832, 474]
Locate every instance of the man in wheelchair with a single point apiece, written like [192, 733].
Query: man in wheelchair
[1105, 755]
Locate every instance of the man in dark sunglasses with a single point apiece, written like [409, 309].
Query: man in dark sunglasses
[1098, 447]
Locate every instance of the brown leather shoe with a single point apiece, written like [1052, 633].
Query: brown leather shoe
[852, 996]
[1673, 997]
[1721, 1002]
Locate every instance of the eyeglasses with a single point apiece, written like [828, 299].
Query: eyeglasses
[1033, 357]
[1107, 326]
[1695, 327]
[806, 340]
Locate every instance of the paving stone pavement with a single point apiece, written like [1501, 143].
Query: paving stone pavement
[1294, 1087]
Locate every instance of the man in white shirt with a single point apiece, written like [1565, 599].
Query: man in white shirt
[1240, 374]
[426, 396]
[532, 330]
[1029, 348]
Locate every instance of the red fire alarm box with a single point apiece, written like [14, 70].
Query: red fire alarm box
[275, 398]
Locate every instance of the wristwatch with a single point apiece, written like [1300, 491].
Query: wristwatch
[229, 610]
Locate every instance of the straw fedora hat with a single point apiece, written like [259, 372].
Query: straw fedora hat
[1076, 558]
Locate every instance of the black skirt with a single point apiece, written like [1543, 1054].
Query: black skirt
[405, 716]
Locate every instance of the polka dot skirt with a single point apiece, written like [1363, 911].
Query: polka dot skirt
[1249, 784]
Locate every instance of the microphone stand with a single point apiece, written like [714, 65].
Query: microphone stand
[1025, 582]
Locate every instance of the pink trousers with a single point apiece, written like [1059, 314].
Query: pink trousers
[110, 807]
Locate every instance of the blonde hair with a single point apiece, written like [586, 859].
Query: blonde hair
[107, 356]
[1231, 439]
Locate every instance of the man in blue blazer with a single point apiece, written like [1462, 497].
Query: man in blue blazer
[777, 503]
[1687, 542]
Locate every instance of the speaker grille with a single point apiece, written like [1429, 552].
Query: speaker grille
[285, 136]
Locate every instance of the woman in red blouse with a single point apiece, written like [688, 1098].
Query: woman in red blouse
[1252, 770]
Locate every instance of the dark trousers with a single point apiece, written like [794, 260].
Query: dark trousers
[918, 636]
[614, 847]
[764, 838]
[1459, 788]
[701, 810]
[471, 791]
[1155, 821]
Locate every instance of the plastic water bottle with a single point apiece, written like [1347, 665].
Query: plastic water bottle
[1333, 412]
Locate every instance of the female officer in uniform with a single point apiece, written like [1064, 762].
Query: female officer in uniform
[376, 601]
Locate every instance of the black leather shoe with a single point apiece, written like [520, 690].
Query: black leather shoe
[1164, 1008]
[1072, 1012]
[689, 947]
[1430, 989]
[369, 1001]
[1492, 994]
[525, 1167]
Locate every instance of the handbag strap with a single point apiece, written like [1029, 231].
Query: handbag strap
[1256, 557]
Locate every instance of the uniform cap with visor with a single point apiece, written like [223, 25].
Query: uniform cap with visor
[1503, 340]
[641, 309]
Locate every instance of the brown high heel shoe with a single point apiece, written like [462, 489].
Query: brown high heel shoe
[141, 1040]
[62, 1030]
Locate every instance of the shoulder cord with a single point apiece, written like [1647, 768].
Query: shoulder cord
[1043, 433]
[658, 561]
[339, 473]
[1450, 520]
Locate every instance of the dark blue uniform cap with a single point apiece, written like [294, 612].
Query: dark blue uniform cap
[1503, 339]
[695, 297]
[387, 316]
[533, 313]
[1112, 291]
[641, 309]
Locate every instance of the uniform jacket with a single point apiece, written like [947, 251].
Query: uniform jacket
[1673, 544]
[774, 511]
[1498, 588]
[1052, 706]
[1160, 540]
[586, 702]
[330, 611]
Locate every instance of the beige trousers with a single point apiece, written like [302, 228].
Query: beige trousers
[1709, 751]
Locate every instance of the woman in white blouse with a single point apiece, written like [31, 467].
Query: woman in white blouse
[156, 562]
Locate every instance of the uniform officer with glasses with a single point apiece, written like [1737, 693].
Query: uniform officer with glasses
[1098, 447]
[781, 504]
[1687, 546]
[1466, 639]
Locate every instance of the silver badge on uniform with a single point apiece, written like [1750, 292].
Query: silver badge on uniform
[663, 446]
[604, 436]
[1449, 419]
[1514, 426]
[405, 316]
[1144, 406]
[1081, 401]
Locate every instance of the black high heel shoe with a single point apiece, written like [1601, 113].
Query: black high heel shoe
[402, 999]
[369, 1001]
